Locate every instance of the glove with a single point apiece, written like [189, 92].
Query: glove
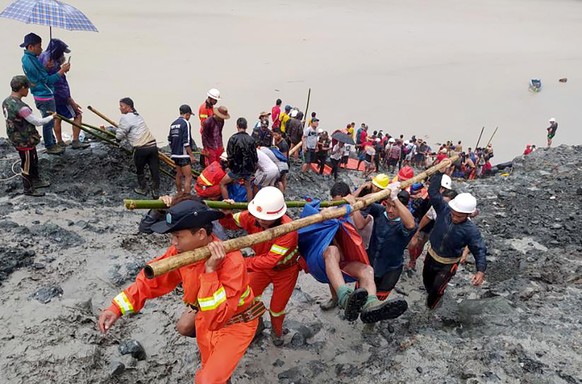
[394, 189]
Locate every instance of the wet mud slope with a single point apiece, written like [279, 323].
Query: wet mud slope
[64, 256]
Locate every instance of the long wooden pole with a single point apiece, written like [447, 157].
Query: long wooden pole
[491, 138]
[91, 130]
[307, 107]
[295, 149]
[479, 139]
[163, 157]
[160, 267]
[159, 204]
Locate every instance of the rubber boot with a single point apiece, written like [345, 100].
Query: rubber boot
[141, 189]
[40, 183]
[29, 187]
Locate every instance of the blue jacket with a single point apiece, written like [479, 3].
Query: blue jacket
[41, 83]
[180, 138]
[447, 239]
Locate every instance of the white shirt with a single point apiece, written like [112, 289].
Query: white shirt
[265, 164]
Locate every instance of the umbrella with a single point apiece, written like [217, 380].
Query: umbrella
[343, 138]
[48, 12]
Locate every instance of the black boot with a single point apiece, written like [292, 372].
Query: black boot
[29, 187]
[141, 189]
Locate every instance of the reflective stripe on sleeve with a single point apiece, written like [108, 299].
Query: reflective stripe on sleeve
[236, 218]
[123, 303]
[289, 256]
[277, 314]
[246, 294]
[278, 249]
[212, 302]
[204, 180]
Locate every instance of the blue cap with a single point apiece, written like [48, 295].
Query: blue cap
[187, 214]
[31, 39]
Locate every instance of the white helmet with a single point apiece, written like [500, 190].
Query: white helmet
[553, 120]
[463, 203]
[391, 140]
[446, 182]
[223, 156]
[214, 94]
[294, 113]
[268, 204]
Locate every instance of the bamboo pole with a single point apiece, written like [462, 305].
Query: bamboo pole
[295, 149]
[163, 157]
[159, 204]
[491, 138]
[89, 129]
[160, 267]
[307, 107]
[479, 139]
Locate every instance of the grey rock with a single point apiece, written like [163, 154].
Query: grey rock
[116, 368]
[134, 348]
[47, 293]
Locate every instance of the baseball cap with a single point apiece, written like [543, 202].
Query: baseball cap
[314, 120]
[31, 39]
[185, 108]
[187, 214]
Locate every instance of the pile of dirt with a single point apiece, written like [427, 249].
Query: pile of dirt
[64, 256]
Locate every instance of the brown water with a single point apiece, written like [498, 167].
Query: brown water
[438, 70]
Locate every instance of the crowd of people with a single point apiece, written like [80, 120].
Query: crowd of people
[223, 293]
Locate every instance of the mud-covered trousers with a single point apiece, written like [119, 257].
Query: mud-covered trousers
[221, 350]
[283, 284]
[436, 276]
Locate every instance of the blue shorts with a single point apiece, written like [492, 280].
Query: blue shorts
[66, 110]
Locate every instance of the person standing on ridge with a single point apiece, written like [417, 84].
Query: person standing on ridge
[21, 130]
[276, 114]
[206, 110]
[145, 149]
[42, 87]
[181, 145]
[212, 134]
[552, 130]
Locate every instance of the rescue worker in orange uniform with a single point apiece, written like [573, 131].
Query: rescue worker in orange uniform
[208, 183]
[275, 261]
[218, 287]
[207, 109]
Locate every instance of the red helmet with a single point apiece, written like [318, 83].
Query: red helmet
[405, 173]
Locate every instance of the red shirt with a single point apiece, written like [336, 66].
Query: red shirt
[204, 112]
[275, 113]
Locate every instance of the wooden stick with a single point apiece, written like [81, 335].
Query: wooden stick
[494, 132]
[307, 107]
[163, 157]
[160, 267]
[479, 139]
[110, 141]
[159, 204]
[295, 149]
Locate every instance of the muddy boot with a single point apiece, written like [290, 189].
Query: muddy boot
[351, 301]
[141, 189]
[76, 144]
[328, 305]
[29, 188]
[40, 183]
[260, 329]
[277, 340]
[376, 310]
[55, 150]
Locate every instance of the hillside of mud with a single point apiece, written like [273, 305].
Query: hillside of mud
[66, 255]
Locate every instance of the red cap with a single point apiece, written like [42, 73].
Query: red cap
[405, 173]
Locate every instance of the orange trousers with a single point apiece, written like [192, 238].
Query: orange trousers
[220, 351]
[283, 284]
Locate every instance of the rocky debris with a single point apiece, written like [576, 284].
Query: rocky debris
[134, 348]
[47, 293]
[77, 243]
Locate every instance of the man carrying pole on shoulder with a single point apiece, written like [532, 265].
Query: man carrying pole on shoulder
[275, 261]
[452, 232]
[218, 288]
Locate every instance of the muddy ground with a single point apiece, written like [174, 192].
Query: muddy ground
[64, 256]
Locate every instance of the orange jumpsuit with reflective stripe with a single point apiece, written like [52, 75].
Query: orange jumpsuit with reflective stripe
[219, 295]
[274, 262]
[208, 183]
[204, 112]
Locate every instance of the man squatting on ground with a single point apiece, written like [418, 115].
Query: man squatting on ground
[227, 316]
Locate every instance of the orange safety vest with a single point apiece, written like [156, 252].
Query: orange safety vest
[207, 184]
[204, 113]
[219, 295]
[283, 250]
